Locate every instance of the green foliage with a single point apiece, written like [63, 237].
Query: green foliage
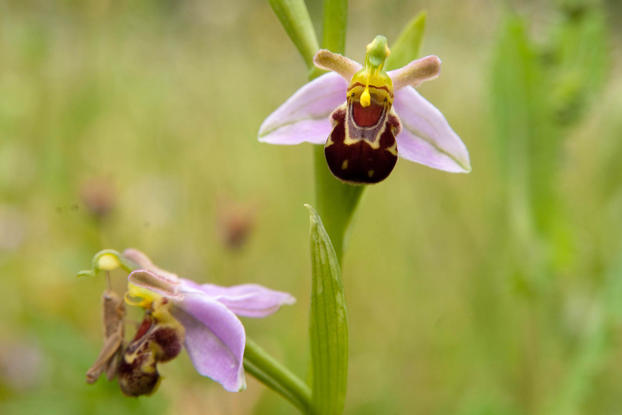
[537, 92]
[526, 138]
[295, 19]
[407, 46]
[579, 62]
[597, 344]
[328, 324]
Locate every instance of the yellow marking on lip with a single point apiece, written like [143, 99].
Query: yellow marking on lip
[365, 97]
[373, 144]
[393, 149]
[370, 173]
[344, 165]
[365, 94]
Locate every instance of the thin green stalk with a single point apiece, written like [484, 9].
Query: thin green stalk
[277, 377]
[334, 25]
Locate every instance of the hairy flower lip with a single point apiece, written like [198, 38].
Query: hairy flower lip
[215, 337]
[426, 137]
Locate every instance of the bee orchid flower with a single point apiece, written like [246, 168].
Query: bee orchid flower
[366, 117]
[214, 336]
[202, 317]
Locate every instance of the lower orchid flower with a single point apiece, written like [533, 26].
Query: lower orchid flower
[382, 117]
[179, 311]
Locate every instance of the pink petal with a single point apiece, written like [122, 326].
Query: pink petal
[426, 136]
[346, 67]
[305, 115]
[145, 263]
[215, 340]
[416, 72]
[155, 283]
[249, 300]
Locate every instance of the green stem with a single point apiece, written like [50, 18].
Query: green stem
[334, 25]
[277, 377]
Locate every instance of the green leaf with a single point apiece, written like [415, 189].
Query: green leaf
[335, 25]
[580, 62]
[328, 324]
[407, 46]
[525, 135]
[294, 17]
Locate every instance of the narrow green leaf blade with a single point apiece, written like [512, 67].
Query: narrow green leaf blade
[328, 324]
[525, 135]
[294, 17]
[407, 46]
[580, 62]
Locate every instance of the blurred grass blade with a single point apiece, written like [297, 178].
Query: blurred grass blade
[335, 25]
[407, 46]
[512, 115]
[580, 61]
[294, 17]
[525, 136]
[328, 324]
[600, 342]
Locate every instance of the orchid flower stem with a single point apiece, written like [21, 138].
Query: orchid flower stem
[277, 377]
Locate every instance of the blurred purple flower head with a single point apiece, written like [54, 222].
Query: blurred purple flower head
[363, 124]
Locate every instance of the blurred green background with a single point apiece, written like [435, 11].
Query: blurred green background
[133, 124]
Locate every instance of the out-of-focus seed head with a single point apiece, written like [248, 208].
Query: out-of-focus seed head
[99, 197]
[235, 223]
